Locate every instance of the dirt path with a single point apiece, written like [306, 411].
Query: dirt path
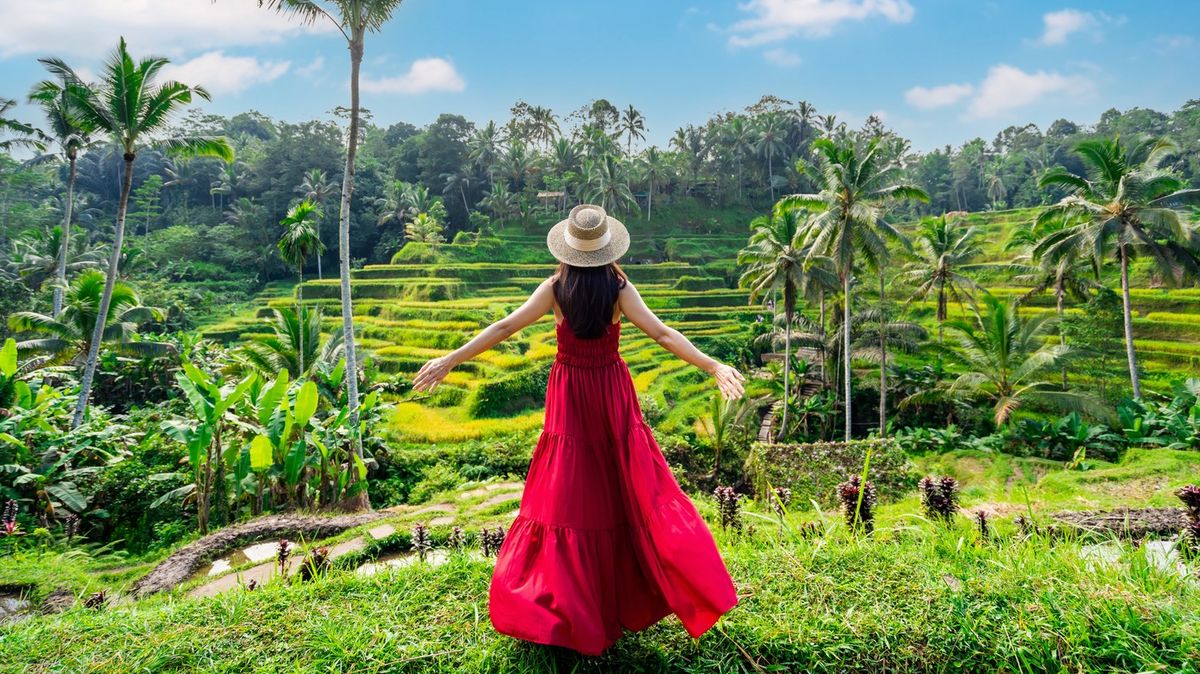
[178, 567]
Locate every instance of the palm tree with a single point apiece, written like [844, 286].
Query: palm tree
[133, 109]
[294, 345]
[353, 19]
[543, 126]
[21, 135]
[739, 134]
[1123, 208]
[775, 260]
[424, 229]
[518, 164]
[226, 184]
[633, 125]
[483, 149]
[71, 335]
[317, 188]
[181, 174]
[690, 141]
[856, 185]
[39, 257]
[769, 143]
[656, 170]
[1070, 275]
[64, 128]
[605, 182]
[501, 203]
[943, 249]
[1004, 358]
[299, 241]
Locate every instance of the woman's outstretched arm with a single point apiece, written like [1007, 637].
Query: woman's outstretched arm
[729, 380]
[538, 305]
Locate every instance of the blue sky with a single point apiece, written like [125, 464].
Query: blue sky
[938, 71]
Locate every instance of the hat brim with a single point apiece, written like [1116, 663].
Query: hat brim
[617, 246]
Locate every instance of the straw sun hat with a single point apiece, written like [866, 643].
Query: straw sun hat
[589, 237]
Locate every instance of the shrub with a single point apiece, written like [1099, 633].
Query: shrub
[436, 479]
[813, 470]
[511, 394]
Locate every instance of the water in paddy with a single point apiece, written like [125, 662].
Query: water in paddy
[256, 554]
[13, 607]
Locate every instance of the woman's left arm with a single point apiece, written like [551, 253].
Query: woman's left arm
[538, 304]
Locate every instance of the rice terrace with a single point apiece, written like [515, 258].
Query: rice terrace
[281, 389]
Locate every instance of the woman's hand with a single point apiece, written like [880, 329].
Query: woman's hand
[729, 381]
[432, 373]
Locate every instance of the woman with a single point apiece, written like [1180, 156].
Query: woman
[605, 539]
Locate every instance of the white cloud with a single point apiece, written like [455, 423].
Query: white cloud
[1007, 88]
[928, 98]
[425, 75]
[312, 68]
[775, 20]
[782, 58]
[1058, 26]
[223, 74]
[90, 28]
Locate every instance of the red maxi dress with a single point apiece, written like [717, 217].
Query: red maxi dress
[605, 539]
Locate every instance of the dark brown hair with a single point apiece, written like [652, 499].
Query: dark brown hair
[586, 296]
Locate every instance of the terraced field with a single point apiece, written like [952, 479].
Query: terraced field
[408, 312]
[432, 299]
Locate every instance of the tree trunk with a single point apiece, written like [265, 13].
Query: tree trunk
[300, 318]
[359, 500]
[65, 242]
[1059, 291]
[1130, 354]
[787, 369]
[771, 177]
[882, 359]
[114, 261]
[846, 346]
[824, 353]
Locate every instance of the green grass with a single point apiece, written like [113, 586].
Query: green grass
[915, 596]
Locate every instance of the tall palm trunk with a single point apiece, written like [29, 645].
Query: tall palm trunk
[846, 346]
[300, 322]
[114, 260]
[65, 243]
[1059, 293]
[1130, 354]
[824, 355]
[360, 499]
[771, 176]
[882, 358]
[789, 309]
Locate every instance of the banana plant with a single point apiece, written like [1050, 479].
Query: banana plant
[209, 458]
[282, 444]
[13, 391]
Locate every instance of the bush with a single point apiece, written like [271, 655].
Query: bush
[437, 478]
[511, 394]
[813, 470]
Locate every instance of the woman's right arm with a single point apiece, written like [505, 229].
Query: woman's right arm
[540, 302]
[729, 380]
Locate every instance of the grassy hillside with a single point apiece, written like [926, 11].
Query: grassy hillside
[813, 596]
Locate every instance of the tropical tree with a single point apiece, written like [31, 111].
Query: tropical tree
[1004, 358]
[483, 149]
[354, 19]
[1123, 208]
[19, 134]
[739, 138]
[294, 345]
[319, 189]
[775, 260]
[655, 170]
[68, 335]
[606, 182]
[633, 125]
[299, 241]
[943, 249]
[70, 136]
[856, 186]
[518, 164]
[38, 254]
[770, 142]
[424, 228]
[132, 108]
[501, 203]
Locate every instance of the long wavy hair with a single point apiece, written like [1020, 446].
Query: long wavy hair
[586, 296]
